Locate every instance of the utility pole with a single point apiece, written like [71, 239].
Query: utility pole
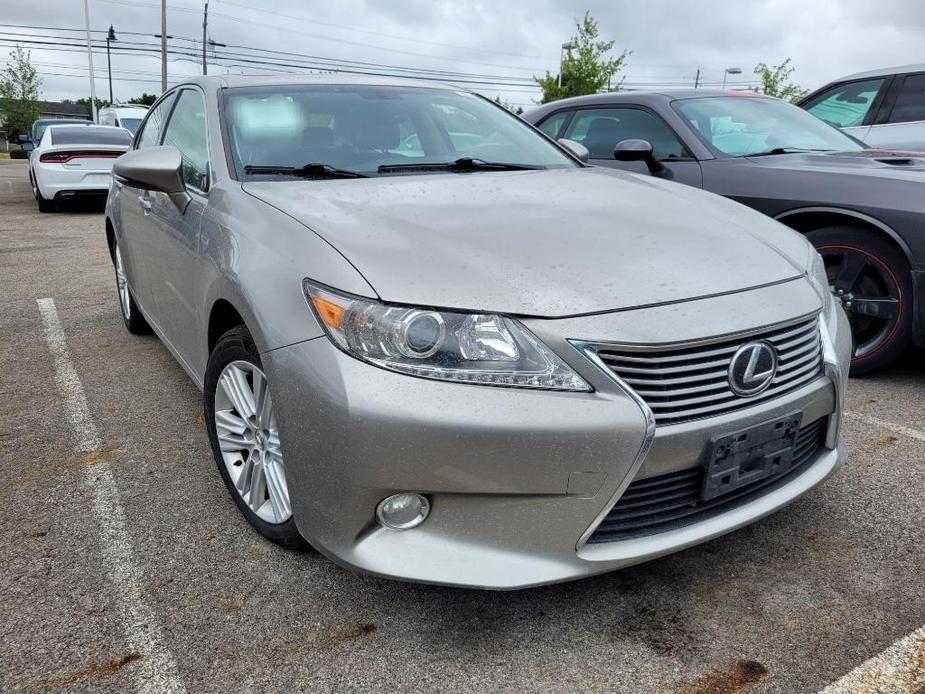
[90, 60]
[205, 24]
[697, 79]
[163, 45]
[110, 37]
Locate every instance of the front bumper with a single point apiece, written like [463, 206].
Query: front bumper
[518, 479]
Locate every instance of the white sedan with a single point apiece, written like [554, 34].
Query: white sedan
[74, 161]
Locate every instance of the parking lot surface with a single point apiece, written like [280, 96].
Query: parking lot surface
[127, 566]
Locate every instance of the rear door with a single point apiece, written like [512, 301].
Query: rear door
[132, 207]
[600, 129]
[175, 277]
[851, 106]
[901, 122]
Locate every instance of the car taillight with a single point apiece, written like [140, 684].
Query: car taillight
[64, 157]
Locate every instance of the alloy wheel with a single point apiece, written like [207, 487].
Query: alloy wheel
[248, 436]
[868, 291]
[125, 298]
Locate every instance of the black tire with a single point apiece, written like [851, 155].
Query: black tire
[237, 345]
[44, 204]
[873, 280]
[132, 317]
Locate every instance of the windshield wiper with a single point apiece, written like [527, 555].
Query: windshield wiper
[461, 164]
[313, 170]
[786, 150]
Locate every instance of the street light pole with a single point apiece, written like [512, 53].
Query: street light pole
[565, 47]
[90, 61]
[163, 45]
[110, 37]
[730, 71]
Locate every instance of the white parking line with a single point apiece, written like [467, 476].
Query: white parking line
[898, 670]
[898, 428]
[157, 669]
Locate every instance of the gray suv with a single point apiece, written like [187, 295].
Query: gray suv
[883, 108]
[437, 346]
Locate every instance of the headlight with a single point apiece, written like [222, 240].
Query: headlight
[467, 347]
[818, 277]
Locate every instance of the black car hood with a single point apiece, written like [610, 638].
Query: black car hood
[880, 163]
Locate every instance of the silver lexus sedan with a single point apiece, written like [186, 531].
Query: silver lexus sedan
[437, 346]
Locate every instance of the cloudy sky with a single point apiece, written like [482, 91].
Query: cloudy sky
[490, 46]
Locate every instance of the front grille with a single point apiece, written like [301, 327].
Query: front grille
[666, 502]
[692, 382]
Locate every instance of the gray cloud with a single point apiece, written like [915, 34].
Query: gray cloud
[669, 40]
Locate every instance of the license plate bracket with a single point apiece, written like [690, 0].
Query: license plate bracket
[748, 455]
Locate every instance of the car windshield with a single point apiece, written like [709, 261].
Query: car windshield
[92, 135]
[130, 124]
[741, 126]
[362, 128]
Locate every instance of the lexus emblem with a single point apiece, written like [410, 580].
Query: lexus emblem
[752, 368]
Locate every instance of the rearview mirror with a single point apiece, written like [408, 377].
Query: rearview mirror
[155, 168]
[638, 150]
[576, 149]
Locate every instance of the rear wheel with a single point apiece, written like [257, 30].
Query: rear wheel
[131, 316]
[44, 204]
[244, 434]
[872, 280]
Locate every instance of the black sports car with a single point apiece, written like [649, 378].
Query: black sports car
[863, 209]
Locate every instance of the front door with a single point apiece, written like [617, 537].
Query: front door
[600, 129]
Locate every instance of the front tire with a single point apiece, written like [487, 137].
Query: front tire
[244, 435]
[872, 280]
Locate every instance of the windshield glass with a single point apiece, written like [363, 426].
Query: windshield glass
[360, 128]
[130, 124]
[740, 126]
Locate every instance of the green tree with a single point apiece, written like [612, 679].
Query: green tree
[19, 94]
[586, 68]
[85, 101]
[145, 99]
[516, 110]
[775, 81]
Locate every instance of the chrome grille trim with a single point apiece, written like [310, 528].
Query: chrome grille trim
[685, 382]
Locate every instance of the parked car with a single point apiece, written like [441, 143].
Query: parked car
[73, 161]
[862, 208]
[476, 362]
[119, 116]
[884, 108]
[38, 126]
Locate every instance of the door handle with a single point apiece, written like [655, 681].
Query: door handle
[145, 204]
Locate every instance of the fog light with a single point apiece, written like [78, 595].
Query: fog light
[402, 511]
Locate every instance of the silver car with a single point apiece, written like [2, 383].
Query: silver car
[437, 346]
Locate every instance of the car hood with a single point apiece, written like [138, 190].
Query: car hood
[877, 163]
[547, 243]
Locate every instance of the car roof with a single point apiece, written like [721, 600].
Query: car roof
[69, 121]
[233, 81]
[883, 72]
[644, 98]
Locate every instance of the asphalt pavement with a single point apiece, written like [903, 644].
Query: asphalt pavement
[126, 566]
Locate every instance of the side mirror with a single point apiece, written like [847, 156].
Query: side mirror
[638, 150]
[27, 145]
[577, 150]
[22, 138]
[155, 168]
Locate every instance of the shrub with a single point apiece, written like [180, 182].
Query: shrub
[18, 154]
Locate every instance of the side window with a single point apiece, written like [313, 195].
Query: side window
[186, 130]
[150, 134]
[910, 102]
[552, 125]
[600, 129]
[847, 104]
